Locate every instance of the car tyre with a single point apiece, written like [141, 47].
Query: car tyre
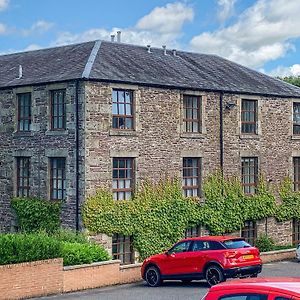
[214, 275]
[152, 276]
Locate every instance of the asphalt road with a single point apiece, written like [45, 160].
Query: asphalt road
[169, 290]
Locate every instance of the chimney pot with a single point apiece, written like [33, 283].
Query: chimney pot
[149, 48]
[119, 36]
[165, 49]
[112, 37]
[174, 52]
[20, 72]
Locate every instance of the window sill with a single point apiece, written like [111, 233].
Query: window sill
[249, 136]
[192, 135]
[56, 132]
[23, 133]
[295, 137]
[115, 132]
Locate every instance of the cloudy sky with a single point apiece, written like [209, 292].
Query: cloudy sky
[261, 34]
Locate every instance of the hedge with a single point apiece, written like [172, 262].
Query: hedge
[17, 248]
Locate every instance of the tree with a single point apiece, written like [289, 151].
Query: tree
[292, 80]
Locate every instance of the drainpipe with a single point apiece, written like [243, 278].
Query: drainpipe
[221, 134]
[77, 153]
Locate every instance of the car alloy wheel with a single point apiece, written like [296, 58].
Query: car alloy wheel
[214, 275]
[152, 276]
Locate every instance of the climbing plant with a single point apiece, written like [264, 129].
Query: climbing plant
[158, 214]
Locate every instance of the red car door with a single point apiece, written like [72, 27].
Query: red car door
[175, 262]
[197, 257]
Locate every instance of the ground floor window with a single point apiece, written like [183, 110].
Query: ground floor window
[296, 232]
[192, 232]
[249, 232]
[122, 248]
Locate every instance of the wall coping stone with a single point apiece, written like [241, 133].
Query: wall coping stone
[102, 263]
[131, 266]
[278, 251]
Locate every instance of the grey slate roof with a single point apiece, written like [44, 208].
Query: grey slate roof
[119, 62]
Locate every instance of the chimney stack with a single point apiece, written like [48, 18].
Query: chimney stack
[119, 36]
[174, 52]
[112, 38]
[149, 48]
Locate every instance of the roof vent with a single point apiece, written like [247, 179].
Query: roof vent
[174, 52]
[149, 48]
[20, 72]
[112, 38]
[119, 36]
[165, 49]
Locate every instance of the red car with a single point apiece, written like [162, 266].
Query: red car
[256, 289]
[213, 258]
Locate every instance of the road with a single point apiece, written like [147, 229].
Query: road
[169, 290]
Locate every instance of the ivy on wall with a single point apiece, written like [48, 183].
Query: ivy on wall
[158, 214]
[35, 214]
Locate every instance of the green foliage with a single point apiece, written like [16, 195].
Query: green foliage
[74, 248]
[77, 253]
[16, 248]
[290, 205]
[292, 80]
[36, 215]
[264, 243]
[71, 236]
[158, 214]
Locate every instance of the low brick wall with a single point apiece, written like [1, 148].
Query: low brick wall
[98, 275]
[278, 255]
[40, 278]
[31, 279]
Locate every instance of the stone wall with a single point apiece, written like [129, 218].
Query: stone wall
[158, 144]
[39, 144]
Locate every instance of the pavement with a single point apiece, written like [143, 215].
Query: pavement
[171, 289]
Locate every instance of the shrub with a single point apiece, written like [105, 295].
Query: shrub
[36, 214]
[71, 236]
[77, 254]
[264, 243]
[17, 248]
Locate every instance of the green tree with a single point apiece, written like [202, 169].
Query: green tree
[292, 80]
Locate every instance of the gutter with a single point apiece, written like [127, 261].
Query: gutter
[77, 153]
[221, 134]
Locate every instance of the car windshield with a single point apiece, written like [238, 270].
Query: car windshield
[234, 244]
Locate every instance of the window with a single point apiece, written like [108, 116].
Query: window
[122, 178]
[181, 247]
[192, 232]
[122, 248]
[249, 232]
[283, 298]
[23, 176]
[296, 118]
[191, 177]
[296, 162]
[191, 114]
[249, 174]
[122, 109]
[24, 112]
[206, 245]
[57, 178]
[245, 296]
[58, 110]
[249, 116]
[296, 232]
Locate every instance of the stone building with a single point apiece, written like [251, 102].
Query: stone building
[78, 117]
